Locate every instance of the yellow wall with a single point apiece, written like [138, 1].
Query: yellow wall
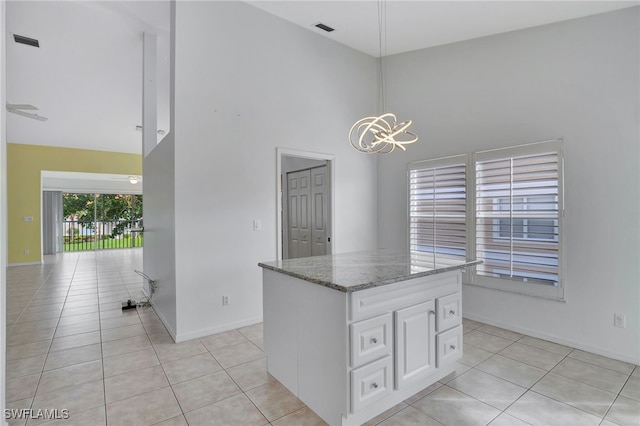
[24, 164]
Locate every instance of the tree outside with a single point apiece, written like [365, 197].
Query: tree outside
[100, 217]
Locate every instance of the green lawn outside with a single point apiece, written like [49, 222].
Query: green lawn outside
[111, 243]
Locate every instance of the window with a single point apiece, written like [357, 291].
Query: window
[527, 229]
[437, 211]
[515, 217]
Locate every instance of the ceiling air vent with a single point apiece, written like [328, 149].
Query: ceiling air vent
[324, 27]
[26, 40]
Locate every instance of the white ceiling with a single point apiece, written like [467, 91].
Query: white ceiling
[413, 25]
[86, 77]
[93, 183]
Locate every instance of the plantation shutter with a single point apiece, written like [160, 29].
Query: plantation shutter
[437, 212]
[517, 216]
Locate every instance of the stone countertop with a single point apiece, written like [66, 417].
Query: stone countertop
[349, 272]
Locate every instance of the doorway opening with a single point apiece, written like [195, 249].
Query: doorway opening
[305, 203]
[90, 211]
[101, 221]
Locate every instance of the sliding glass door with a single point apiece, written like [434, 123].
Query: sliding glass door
[102, 221]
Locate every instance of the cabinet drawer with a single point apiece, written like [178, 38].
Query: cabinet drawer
[370, 383]
[449, 346]
[448, 311]
[387, 298]
[371, 339]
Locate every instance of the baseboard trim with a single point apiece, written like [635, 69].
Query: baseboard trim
[24, 264]
[555, 339]
[164, 321]
[218, 329]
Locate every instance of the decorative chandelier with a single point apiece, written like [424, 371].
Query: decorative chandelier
[382, 134]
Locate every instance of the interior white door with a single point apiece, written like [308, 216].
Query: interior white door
[319, 211]
[307, 210]
[299, 209]
[415, 345]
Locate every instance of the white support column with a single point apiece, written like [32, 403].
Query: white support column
[149, 94]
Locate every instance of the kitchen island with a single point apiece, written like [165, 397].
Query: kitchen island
[354, 334]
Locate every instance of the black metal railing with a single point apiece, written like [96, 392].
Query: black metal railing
[81, 236]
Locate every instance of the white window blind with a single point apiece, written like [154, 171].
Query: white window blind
[437, 211]
[518, 205]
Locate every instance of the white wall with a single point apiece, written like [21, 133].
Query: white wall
[159, 255]
[577, 80]
[246, 83]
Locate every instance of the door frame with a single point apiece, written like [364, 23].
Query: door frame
[330, 159]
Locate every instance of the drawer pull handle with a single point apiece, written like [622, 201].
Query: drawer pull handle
[432, 312]
[452, 312]
[452, 347]
[374, 385]
[374, 340]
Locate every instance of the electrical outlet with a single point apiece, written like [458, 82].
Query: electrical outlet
[620, 320]
[226, 300]
[26, 251]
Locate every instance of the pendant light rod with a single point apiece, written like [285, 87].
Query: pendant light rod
[377, 135]
[382, 38]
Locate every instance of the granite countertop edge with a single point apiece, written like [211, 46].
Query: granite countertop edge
[368, 285]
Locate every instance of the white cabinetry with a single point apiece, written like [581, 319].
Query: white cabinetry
[358, 354]
[415, 346]
[370, 339]
[371, 383]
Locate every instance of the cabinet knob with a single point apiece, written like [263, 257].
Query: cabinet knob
[452, 347]
[374, 340]
[452, 312]
[374, 385]
[432, 312]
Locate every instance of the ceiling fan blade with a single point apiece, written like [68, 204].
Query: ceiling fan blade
[22, 106]
[26, 114]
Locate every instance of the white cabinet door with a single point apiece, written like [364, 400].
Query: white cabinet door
[415, 342]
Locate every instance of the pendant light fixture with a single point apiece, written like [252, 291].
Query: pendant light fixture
[382, 134]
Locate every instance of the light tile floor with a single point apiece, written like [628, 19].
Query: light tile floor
[70, 346]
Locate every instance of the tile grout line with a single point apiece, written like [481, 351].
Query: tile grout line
[104, 382]
[548, 372]
[492, 355]
[530, 389]
[35, 392]
[527, 389]
[616, 398]
[153, 346]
